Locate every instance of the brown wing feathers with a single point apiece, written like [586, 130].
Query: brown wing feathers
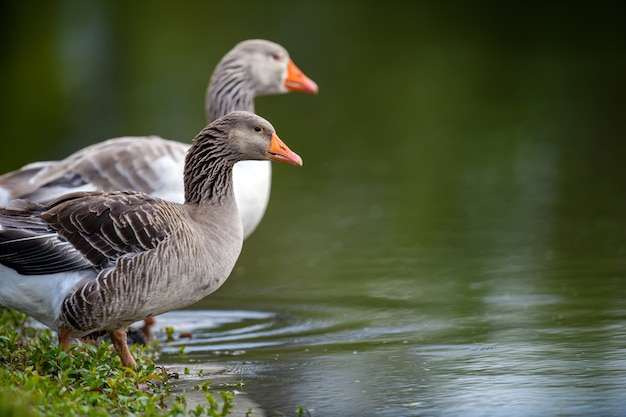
[106, 226]
[30, 246]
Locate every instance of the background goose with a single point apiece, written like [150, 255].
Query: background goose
[99, 261]
[154, 165]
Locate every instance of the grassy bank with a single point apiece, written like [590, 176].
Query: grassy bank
[37, 378]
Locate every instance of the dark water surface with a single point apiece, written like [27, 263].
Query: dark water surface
[498, 306]
[455, 243]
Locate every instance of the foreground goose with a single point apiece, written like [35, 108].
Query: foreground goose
[99, 261]
[154, 165]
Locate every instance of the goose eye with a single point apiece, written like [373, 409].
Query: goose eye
[276, 57]
[258, 129]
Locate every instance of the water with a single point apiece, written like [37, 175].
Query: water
[484, 289]
[454, 244]
[495, 297]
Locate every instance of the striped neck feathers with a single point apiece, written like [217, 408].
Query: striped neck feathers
[208, 169]
[230, 89]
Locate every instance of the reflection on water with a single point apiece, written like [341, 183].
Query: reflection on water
[517, 355]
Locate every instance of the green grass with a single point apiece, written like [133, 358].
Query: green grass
[37, 378]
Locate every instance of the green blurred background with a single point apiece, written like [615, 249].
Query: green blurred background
[408, 74]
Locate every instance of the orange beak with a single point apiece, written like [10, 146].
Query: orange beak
[280, 152]
[297, 81]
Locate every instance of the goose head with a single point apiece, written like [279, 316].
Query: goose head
[263, 67]
[246, 136]
[271, 68]
[238, 136]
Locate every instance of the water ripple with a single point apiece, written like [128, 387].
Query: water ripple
[215, 330]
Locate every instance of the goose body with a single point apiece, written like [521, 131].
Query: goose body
[93, 261]
[154, 165]
[61, 297]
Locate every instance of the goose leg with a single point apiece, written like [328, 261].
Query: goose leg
[119, 341]
[147, 323]
[65, 336]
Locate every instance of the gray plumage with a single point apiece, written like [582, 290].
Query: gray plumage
[112, 258]
[155, 165]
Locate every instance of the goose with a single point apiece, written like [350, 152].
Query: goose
[154, 165]
[93, 261]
